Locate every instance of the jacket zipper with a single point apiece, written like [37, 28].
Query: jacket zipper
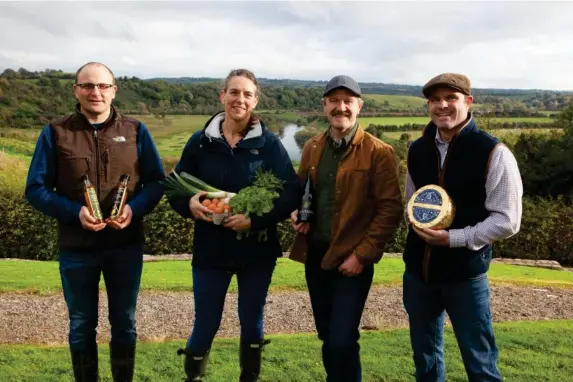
[97, 180]
[428, 251]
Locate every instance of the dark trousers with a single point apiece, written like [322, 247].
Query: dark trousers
[80, 273]
[337, 304]
[209, 290]
[468, 306]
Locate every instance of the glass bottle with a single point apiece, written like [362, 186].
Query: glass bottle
[120, 197]
[305, 211]
[92, 203]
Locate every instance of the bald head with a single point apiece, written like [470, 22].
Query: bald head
[90, 64]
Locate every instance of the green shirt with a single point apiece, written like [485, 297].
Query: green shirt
[325, 186]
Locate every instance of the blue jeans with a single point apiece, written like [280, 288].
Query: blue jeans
[337, 304]
[209, 290]
[80, 273]
[468, 306]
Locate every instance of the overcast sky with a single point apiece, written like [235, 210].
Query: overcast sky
[500, 45]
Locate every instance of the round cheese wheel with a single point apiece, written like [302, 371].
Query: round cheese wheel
[431, 207]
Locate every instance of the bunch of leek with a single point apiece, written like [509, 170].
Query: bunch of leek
[184, 184]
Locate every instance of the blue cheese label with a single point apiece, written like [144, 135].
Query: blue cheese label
[431, 207]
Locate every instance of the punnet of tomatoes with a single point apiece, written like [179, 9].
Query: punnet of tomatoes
[219, 209]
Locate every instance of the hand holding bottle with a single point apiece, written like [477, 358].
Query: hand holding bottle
[122, 220]
[89, 222]
[298, 227]
[303, 216]
[121, 213]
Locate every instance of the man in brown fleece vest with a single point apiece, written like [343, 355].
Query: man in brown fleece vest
[98, 142]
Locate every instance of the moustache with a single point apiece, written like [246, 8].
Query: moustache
[337, 113]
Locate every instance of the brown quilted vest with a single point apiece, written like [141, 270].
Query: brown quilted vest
[103, 154]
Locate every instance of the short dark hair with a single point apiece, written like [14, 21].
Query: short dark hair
[94, 64]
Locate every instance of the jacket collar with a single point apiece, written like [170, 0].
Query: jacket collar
[254, 139]
[212, 129]
[113, 116]
[431, 130]
[356, 139]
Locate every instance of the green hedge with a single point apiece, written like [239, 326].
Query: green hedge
[546, 232]
[29, 234]
[25, 232]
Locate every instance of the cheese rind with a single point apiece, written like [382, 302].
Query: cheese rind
[431, 207]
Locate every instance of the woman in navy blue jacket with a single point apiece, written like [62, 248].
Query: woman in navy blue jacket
[226, 154]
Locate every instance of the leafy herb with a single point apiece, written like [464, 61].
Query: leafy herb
[257, 199]
[268, 180]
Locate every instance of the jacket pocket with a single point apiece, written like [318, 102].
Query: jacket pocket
[357, 182]
[123, 159]
[75, 167]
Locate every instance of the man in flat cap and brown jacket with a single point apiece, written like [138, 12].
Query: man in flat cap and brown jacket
[446, 269]
[358, 206]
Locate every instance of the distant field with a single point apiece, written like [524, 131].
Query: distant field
[397, 101]
[549, 112]
[399, 121]
[13, 170]
[524, 119]
[172, 132]
[28, 135]
[499, 133]
[16, 146]
[161, 127]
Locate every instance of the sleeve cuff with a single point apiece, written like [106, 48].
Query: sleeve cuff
[134, 209]
[76, 208]
[361, 258]
[457, 238]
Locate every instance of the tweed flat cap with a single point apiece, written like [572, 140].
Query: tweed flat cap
[455, 81]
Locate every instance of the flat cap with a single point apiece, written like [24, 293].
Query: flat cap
[455, 81]
[342, 81]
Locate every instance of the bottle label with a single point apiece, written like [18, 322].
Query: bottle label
[118, 202]
[94, 203]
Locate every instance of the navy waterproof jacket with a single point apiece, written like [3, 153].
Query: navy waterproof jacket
[208, 156]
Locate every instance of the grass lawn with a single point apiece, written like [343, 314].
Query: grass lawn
[529, 351]
[43, 277]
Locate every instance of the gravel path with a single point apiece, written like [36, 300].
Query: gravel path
[169, 315]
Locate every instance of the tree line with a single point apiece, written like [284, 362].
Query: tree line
[32, 98]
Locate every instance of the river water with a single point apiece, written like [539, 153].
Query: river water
[286, 136]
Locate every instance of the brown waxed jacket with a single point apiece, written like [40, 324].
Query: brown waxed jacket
[368, 203]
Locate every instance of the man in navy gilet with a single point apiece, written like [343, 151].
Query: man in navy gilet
[446, 269]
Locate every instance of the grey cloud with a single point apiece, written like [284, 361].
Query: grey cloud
[400, 42]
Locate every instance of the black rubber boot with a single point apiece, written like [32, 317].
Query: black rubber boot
[195, 364]
[85, 364]
[251, 355]
[122, 358]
